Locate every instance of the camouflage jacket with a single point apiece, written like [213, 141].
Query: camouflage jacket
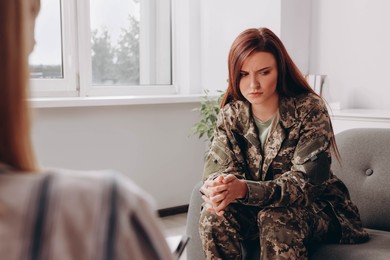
[293, 169]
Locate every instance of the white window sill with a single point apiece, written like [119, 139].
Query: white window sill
[112, 101]
[361, 113]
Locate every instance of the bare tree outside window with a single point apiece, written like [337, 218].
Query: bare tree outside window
[116, 64]
[115, 47]
[127, 54]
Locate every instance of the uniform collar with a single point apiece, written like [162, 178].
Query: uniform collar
[288, 111]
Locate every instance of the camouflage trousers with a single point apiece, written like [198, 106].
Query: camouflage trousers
[284, 233]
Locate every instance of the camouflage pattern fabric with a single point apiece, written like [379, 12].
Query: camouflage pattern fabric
[222, 235]
[284, 232]
[294, 170]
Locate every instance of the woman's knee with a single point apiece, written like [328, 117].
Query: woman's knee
[283, 233]
[283, 224]
[219, 239]
[208, 220]
[228, 223]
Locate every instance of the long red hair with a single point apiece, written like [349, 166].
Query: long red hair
[15, 144]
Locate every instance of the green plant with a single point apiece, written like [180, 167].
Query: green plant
[209, 109]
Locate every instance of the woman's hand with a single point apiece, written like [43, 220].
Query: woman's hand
[222, 191]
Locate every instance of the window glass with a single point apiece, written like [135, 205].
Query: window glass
[46, 59]
[125, 45]
[115, 42]
[102, 48]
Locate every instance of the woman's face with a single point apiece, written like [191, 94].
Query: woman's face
[259, 76]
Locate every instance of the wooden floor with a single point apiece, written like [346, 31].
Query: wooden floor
[175, 225]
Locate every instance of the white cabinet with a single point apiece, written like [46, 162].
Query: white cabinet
[359, 118]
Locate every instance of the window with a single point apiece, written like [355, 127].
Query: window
[52, 64]
[118, 47]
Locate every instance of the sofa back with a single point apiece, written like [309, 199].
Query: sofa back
[365, 170]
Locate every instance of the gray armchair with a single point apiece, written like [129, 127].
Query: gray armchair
[365, 169]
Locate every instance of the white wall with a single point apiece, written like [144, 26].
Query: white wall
[295, 31]
[350, 43]
[149, 143]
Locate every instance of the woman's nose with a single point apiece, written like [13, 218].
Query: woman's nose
[255, 83]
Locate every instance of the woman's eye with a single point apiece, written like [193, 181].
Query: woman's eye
[266, 72]
[242, 74]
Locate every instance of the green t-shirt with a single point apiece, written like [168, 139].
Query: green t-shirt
[263, 128]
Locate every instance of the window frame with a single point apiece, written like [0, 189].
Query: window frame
[76, 57]
[67, 86]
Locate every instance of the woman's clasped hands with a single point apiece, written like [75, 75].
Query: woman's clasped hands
[222, 191]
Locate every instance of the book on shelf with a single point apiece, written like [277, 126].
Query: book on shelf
[315, 81]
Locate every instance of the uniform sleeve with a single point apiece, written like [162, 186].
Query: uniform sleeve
[220, 158]
[303, 183]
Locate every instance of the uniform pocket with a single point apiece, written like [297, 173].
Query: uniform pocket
[310, 149]
[313, 160]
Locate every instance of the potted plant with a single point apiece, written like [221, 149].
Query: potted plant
[209, 109]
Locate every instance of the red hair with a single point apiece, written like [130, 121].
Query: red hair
[15, 144]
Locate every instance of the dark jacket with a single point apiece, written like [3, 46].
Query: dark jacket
[293, 169]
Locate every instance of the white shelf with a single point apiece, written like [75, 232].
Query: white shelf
[112, 101]
[361, 113]
[359, 118]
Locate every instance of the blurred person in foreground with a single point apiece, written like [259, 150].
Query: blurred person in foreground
[267, 176]
[59, 214]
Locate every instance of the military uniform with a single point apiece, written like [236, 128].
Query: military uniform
[293, 197]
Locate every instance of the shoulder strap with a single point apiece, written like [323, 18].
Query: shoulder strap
[112, 219]
[38, 229]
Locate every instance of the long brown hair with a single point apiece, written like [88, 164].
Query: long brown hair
[15, 144]
[290, 82]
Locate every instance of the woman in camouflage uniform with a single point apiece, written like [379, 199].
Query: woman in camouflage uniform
[267, 174]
